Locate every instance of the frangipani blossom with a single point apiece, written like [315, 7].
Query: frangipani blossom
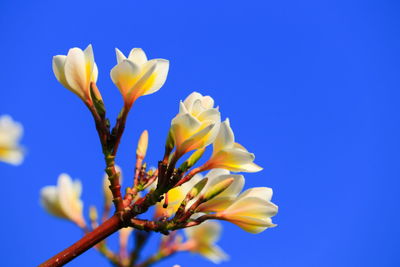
[251, 211]
[64, 200]
[196, 124]
[10, 134]
[76, 71]
[136, 76]
[230, 155]
[202, 239]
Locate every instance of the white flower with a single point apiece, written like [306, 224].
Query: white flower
[10, 134]
[230, 155]
[136, 76]
[76, 70]
[202, 239]
[252, 210]
[64, 200]
[196, 124]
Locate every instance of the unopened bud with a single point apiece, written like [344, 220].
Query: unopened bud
[142, 144]
[217, 189]
[196, 189]
[93, 216]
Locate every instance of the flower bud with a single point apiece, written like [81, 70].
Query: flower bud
[93, 215]
[217, 189]
[196, 189]
[142, 144]
[192, 160]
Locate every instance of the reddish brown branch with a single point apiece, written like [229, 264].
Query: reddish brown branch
[89, 240]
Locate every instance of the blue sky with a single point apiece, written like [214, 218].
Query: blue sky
[311, 87]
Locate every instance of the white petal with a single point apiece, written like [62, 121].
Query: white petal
[183, 126]
[13, 156]
[89, 58]
[250, 167]
[210, 114]
[253, 225]
[258, 192]
[120, 56]
[207, 102]
[138, 56]
[75, 71]
[125, 75]
[189, 101]
[198, 140]
[95, 73]
[234, 160]
[225, 137]
[10, 131]
[182, 108]
[251, 207]
[218, 204]
[58, 69]
[145, 80]
[206, 233]
[161, 73]
[214, 253]
[69, 199]
[49, 201]
[214, 173]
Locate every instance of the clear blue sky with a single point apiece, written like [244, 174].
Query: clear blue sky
[311, 87]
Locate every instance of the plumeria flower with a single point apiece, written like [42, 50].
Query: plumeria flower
[76, 71]
[201, 239]
[230, 155]
[10, 134]
[136, 76]
[196, 124]
[251, 211]
[63, 200]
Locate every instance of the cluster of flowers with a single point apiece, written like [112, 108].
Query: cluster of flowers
[218, 195]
